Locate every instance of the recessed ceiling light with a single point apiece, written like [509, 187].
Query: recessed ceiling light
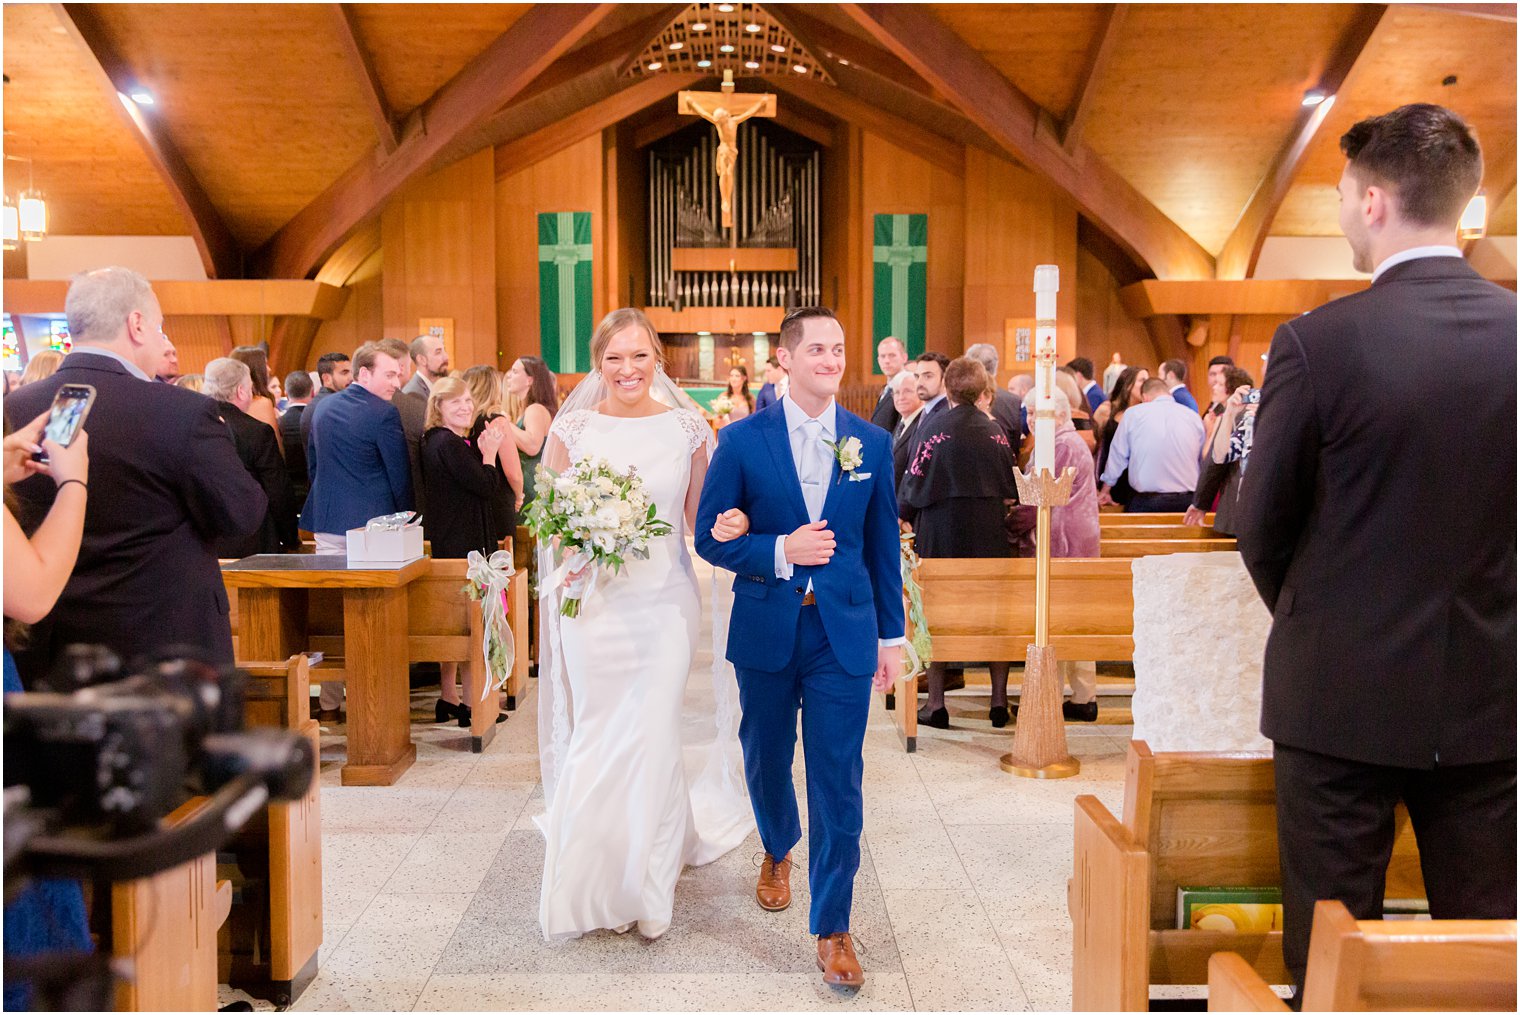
[725, 48]
[751, 65]
[800, 68]
[656, 65]
[1314, 97]
[141, 96]
[699, 26]
[843, 62]
[676, 45]
[704, 63]
[777, 48]
[726, 8]
[752, 27]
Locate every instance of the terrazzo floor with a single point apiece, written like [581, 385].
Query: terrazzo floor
[430, 893]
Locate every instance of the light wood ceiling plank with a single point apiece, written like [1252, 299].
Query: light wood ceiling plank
[346, 27]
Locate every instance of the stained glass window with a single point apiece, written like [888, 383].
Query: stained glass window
[58, 336]
[10, 352]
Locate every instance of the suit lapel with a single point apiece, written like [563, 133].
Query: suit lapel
[843, 431]
[780, 444]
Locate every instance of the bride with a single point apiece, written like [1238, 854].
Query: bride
[621, 818]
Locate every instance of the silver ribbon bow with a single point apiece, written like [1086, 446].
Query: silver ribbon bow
[492, 576]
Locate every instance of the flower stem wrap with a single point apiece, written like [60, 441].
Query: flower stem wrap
[489, 579]
[920, 648]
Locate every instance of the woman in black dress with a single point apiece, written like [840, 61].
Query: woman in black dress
[468, 485]
[1126, 393]
[955, 495]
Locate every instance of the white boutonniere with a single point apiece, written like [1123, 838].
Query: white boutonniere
[847, 454]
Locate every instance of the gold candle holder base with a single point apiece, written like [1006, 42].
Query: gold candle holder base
[1039, 734]
[1057, 770]
[1043, 489]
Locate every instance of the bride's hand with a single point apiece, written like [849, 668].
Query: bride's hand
[730, 525]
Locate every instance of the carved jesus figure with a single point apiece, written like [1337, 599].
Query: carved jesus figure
[725, 112]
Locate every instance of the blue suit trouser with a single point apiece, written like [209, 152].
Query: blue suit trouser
[835, 706]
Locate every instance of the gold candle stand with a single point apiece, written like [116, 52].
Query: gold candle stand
[1039, 735]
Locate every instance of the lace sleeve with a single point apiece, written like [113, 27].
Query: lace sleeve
[568, 427]
[695, 428]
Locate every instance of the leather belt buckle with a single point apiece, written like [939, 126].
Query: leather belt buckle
[809, 600]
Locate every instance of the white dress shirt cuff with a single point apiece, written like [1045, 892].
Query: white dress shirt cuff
[783, 566]
[890, 642]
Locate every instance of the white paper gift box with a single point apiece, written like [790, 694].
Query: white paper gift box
[384, 546]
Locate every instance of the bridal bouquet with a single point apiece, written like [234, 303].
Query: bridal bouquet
[722, 405]
[600, 516]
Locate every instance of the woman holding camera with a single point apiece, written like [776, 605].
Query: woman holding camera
[49, 914]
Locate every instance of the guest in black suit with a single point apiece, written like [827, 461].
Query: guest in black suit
[1007, 408]
[891, 357]
[335, 371]
[955, 495]
[467, 487]
[167, 481]
[298, 388]
[905, 399]
[1382, 537]
[230, 383]
[929, 370]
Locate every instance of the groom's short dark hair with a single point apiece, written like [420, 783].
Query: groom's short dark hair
[791, 324]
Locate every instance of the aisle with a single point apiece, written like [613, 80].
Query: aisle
[431, 887]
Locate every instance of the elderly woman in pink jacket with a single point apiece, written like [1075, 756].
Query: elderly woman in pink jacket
[1073, 533]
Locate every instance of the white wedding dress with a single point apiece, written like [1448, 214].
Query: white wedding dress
[622, 817]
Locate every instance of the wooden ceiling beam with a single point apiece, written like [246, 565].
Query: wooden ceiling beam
[576, 126]
[531, 45]
[1490, 12]
[828, 42]
[616, 49]
[1012, 119]
[1238, 257]
[1099, 57]
[363, 66]
[220, 254]
[927, 145]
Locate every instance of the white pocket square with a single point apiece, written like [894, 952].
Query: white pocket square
[859, 477]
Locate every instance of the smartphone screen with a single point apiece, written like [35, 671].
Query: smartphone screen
[70, 407]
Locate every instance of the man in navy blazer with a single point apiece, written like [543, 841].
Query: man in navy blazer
[817, 612]
[357, 460]
[166, 485]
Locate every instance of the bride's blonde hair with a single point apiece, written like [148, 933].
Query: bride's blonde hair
[616, 322]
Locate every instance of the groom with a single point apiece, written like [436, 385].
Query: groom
[818, 612]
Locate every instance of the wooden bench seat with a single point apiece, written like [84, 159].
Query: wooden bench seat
[1160, 532]
[1122, 517]
[1131, 548]
[1189, 819]
[1384, 965]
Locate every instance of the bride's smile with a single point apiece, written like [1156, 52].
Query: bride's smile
[628, 363]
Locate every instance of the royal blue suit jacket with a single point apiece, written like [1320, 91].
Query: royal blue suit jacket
[859, 591]
[357, 460]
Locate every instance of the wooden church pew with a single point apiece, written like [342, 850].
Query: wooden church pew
[269, 946]
[1159, 532]
[1121, 517]
[979, 609]
[1131, 548]
[1190, 818]
[1378, 965]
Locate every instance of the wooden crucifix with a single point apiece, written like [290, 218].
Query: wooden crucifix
[726, 110]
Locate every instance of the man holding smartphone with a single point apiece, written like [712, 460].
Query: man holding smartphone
[168, 485]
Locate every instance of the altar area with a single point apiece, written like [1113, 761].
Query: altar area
[430, 895]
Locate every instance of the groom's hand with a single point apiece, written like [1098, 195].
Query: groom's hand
[811, 545]
[888, 667]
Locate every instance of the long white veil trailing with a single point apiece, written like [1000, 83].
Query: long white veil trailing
[710, 729]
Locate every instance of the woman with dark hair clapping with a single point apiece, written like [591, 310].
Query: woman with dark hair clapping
[535, 399]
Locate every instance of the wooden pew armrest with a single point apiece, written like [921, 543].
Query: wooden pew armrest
[1235, 986]
[1109, 900]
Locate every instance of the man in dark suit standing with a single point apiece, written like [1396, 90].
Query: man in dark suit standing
[1091, 389]
[891, 357]
[1382, 537]
[335, 371]
[229, 382]
[359, 467]
[1007, 408]
[168, 486]
[298, 389]
[770, 392]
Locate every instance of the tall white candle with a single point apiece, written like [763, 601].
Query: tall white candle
[1047, 282]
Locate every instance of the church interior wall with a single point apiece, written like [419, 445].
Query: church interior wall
[570, 180]
[362, 317]
[439, 257]
[842, 256]
[1103, 326]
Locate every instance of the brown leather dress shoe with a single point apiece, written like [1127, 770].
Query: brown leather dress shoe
[774, 889]
[836, 957]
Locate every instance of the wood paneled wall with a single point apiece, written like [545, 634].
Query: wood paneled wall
[897, 182]
[199, 339]
[1014, 221]
[438, 244]
[363, 317]
[1104, 327]
[571, 180]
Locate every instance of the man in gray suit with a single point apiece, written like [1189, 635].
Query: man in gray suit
[412, 405]
[430, 360]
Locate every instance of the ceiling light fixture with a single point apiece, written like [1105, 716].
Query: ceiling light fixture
[752, 27]
[675, 46]
[704, 63]
[777, 48]
[843, 62]
[656, 65]
[800, 68]
[725, 48]
[141, 96]
[1314, 97]
[726, 8]
[1474, 221]
[30, 208]
[699, 26]
[751, 65]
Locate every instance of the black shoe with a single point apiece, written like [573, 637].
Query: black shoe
[999, 716]
[445, 711]
[1073, 712]
[939, 718]
[466, 716]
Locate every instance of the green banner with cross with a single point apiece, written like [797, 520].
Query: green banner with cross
[564, 290]
[900, 291]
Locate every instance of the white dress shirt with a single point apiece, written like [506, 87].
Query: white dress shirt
[1414, 253]
[1159, 442]
[809, 438]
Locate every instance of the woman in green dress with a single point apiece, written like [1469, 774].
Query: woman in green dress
[532, 392]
